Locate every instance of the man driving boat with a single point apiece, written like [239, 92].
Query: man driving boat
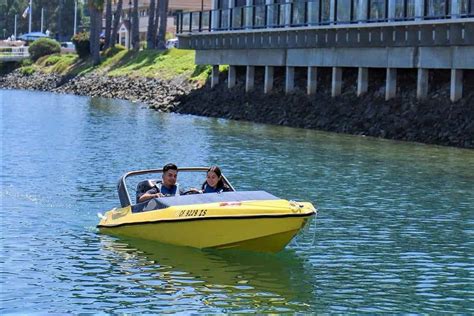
[167, 187]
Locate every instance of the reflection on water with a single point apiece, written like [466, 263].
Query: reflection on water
[222, 280]
[394, 230]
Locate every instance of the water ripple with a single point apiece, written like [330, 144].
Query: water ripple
[394, 232]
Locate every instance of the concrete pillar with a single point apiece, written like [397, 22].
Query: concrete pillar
[391, 83]
[250, 79]
[456, 84]
[312, 80]
[422, 84]
[231, 78]
[332, 11]
[336, 86]
[214, 75]
[289, 79]
[362, 11]
[362, 81]
[419, 9]
[268, 82]
[455, 8]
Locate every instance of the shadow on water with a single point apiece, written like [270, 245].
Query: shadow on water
[221, 280]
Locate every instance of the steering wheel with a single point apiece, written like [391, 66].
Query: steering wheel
[191, 191]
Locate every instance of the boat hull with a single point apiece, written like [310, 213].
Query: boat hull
[264, 234]
[265, 225]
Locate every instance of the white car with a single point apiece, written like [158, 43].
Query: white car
[172, 43]
[68, 47]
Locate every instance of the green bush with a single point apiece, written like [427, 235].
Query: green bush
[112, 51]
[42, 47]
[27, 71]
[26, 62]
[82, 43]
[52, 60]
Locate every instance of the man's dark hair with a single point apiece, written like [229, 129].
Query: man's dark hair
[170, 166]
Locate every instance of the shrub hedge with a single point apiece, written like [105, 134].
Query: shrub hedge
[82, 43]
[42, 47]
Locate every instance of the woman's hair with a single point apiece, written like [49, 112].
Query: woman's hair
[218, 172]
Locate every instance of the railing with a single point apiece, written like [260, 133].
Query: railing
[8, 53]
[320, 13]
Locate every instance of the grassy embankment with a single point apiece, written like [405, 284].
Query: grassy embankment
[165, 65]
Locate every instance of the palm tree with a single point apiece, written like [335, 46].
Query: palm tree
[135, 27]
[117, 15]
[108, 22]
[95, 10]
[163, 19]
[150, 38]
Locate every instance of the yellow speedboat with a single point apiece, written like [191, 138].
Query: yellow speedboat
[248, 220]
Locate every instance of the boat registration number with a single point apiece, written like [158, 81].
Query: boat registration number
[189, 213]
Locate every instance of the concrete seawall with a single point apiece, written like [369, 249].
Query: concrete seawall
[433, 120]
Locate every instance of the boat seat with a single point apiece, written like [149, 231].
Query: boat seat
[236, 196]
[144, 186]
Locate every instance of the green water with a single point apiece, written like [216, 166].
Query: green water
[394, 232]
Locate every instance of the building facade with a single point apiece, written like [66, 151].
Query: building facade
[175, 7]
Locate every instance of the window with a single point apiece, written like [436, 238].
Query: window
[437, 8]
[344, 10]
[377, 10]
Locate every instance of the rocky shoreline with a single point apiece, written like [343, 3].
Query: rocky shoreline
[433, 121]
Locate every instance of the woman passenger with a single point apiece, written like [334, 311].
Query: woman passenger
[214, 182]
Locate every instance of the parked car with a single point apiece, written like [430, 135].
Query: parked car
[68, 47]
[172, 43]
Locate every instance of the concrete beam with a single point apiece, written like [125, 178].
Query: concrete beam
[250, 79]
[232, 76]
[456, 84]
[391, 83]
[289, 79]
[312, 83]
[362, 81]
[422, 84]
[268, 82]
[336, 86]
[215, 76]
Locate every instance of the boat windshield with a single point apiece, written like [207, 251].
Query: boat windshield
[188, 178]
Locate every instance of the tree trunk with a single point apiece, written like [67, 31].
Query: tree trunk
[108, 22]
[115, 28]
[135, 27]
[150, 39]
[96, 26]
[155, 23]
[162, 28]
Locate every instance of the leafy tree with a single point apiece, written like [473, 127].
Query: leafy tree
[58, 16]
